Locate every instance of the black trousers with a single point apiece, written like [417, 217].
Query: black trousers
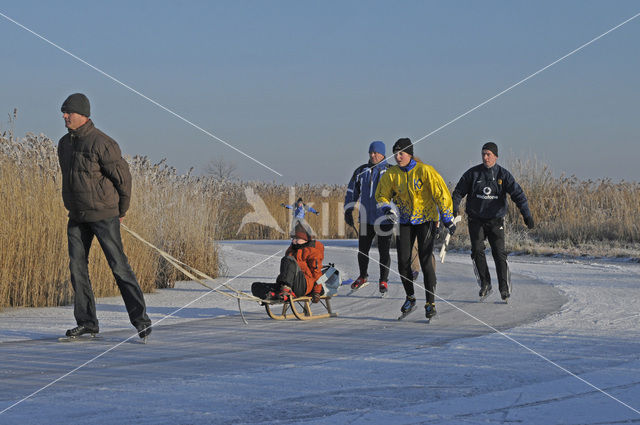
[80, 236]
[425, 235]
[367, 233]
[493, 231]
[290, 275]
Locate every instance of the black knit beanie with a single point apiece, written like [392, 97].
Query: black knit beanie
[77, 103]
[404, 145]
[490, 146]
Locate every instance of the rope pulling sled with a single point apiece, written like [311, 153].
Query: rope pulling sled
[328, 279]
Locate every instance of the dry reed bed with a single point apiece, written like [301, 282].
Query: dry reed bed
[572, 216]
[171, 211]
[185, 214]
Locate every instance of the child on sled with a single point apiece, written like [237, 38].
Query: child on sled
[300, 268]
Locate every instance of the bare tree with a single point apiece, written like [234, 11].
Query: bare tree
[221, 169]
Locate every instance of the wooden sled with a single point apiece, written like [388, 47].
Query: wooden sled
[290, 308]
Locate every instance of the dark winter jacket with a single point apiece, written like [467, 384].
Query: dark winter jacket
[309, 257]
[362, 186]
[486, 190]
[96, 182]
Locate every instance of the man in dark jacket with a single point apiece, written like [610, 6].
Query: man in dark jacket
[96, 189]
[362, 187]
[487, 186]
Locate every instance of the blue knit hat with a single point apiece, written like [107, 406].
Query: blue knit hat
[377, 146]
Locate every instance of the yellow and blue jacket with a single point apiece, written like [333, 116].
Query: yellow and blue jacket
[418, 191]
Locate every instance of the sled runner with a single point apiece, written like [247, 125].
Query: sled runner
[291, 308]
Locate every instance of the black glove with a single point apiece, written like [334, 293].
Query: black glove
[529, 222]
[282, 204]
[316, 213]
[450, 227]
[348, 217]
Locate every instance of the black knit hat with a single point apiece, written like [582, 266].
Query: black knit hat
[404, 145]
[77, 103]
[490, 146]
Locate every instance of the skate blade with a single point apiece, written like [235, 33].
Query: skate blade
[405, 314]
[485, 297]
[81, 338]
[357, 289]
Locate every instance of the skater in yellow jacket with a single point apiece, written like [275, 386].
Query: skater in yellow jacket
[422, 199]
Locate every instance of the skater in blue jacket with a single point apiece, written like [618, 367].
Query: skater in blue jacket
[362, 187]
[299, 209]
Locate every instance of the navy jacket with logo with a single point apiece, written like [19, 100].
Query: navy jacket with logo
[362, 186]
[486, 190]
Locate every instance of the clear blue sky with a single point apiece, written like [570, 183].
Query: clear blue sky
[306, 86]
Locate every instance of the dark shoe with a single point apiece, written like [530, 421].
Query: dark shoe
[383, 287]
[505, 295]
[484, 291]
[409, 304]
[357, 284]
[144, 330]
[81, 330]
[429, 310]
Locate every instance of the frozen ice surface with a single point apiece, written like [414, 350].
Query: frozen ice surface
[477, 363]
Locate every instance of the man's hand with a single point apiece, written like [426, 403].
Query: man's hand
[315, 296]
[451, 227]
[121, 218]
[529, 222]
[348, 217]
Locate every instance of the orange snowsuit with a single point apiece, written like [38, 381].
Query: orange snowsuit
[309, 258]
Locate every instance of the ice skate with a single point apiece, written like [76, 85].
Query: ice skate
[429, 311]
[384, 288]
[76, 333]
[485, 291]
[358, 284]
[408, 307]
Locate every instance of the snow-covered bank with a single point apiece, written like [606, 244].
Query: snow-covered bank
[204, 366]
